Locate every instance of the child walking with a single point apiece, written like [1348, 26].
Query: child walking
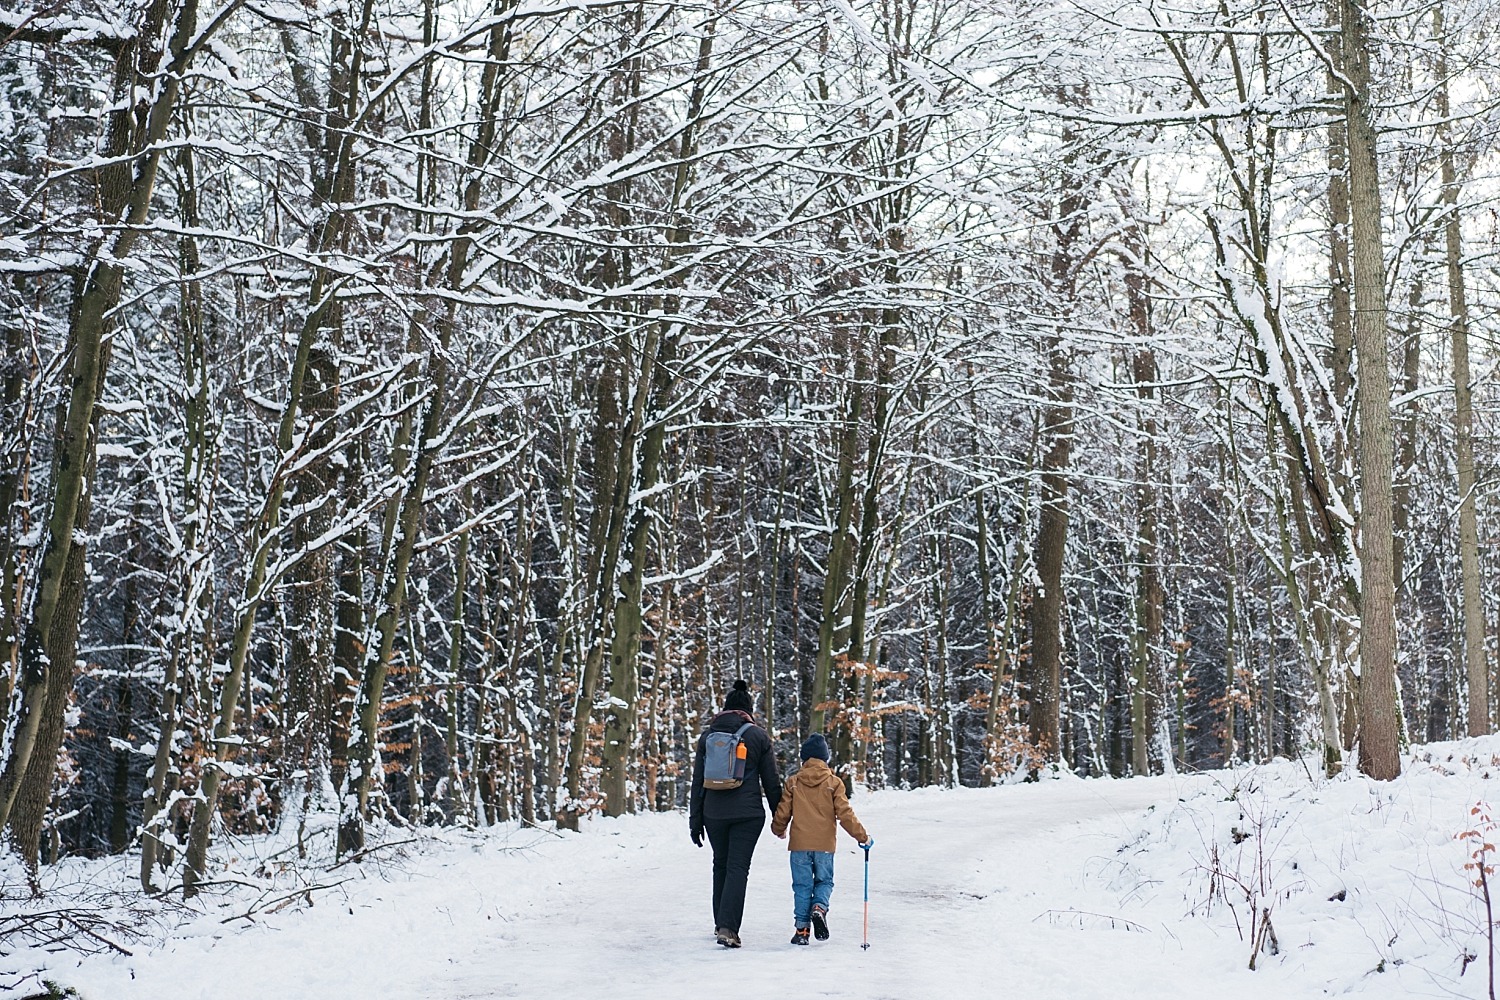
[811, 801]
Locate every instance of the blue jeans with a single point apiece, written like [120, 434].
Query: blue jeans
[812, 883]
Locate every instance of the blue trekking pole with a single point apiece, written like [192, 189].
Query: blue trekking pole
[866, 846]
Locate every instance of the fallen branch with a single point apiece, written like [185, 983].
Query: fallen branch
[261, 906]
[51, 927]
[360, 855]
[527, 822]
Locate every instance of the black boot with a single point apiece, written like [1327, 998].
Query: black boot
[799, 936]
[820, 923]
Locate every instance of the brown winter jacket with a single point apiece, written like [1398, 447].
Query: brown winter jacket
[811, 800]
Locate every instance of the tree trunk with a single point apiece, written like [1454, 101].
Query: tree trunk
[349, 634]
[455, 799]
[1341, 361]
[1340, 276]
[1480, 718]
[1379, 742]
[193, 571]
[1315, 644]
[14, 461]
[1234, 690]
[837, 572]
[648, 423]
[1148, 677]
[1405, 429]
[1042, 678]
[309, 672]
[869, 524]
[599, 564]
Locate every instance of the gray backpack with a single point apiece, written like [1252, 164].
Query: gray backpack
[724, 759]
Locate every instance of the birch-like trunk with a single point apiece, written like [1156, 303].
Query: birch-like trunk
[193, 571]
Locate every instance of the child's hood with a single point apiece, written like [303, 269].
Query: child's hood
[814, 772]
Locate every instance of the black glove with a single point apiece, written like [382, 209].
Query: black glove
[697, 834]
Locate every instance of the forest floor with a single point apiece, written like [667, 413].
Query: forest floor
[1068, 889]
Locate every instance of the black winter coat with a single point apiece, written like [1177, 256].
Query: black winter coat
[761, 775]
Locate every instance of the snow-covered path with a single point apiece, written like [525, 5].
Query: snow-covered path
[948, 876]
[1018, 891]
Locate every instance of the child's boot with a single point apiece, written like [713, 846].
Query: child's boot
[820, 921]
[799, 936]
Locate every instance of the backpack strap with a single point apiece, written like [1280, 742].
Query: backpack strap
[739, 733]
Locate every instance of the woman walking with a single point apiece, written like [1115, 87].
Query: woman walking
[733, 765]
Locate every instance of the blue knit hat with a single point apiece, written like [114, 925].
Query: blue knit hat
[816, 746]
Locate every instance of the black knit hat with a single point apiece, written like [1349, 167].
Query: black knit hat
[815, 746]
[739, 699]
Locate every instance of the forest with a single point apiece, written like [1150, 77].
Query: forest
[421, 412]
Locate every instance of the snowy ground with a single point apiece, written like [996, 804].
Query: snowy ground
[1067, 889]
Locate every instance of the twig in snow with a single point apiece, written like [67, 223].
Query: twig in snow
[45, 928]
[306, 890]
[527, 822]
[359, 855]
[1114, 922]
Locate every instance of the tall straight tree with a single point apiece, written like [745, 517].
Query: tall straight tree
[848, 340]
[1041, 678]
[1476, 666]
[623, 446]
[1379, 738]
[648, 420]
[1147, 688]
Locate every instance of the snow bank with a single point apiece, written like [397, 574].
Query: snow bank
[1345, 885]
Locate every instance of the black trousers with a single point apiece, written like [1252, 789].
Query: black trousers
[733, 841]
